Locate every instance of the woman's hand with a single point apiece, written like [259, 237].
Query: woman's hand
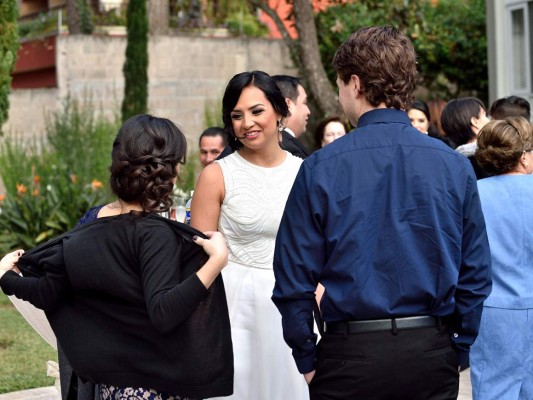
[215, 247]
[8, 262]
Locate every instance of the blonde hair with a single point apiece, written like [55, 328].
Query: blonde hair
[501, 143]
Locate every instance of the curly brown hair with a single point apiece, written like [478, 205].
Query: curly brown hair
[501, 143]
[145, 155]
[384, 60]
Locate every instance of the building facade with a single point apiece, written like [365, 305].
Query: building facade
[510, 48]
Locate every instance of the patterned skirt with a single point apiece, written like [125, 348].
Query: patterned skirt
[109, 392]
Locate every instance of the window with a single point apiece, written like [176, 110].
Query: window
[520, 50]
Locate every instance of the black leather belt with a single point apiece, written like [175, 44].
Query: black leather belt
[379, 325]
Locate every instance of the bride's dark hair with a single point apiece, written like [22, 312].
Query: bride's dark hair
[145, 155]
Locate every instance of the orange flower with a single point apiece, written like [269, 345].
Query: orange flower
[2, 197]
[21, 189]
[36, 179]
[73, 178]
[96, 184]
[35, 192]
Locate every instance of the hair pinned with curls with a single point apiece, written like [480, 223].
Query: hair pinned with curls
[144, 160]
[384, 59]
[501, 143]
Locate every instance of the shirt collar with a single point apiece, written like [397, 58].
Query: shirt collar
[386, 115]
[290, 132]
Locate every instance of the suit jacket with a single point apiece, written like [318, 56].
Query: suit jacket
[293, 145]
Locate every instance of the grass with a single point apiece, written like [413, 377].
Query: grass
[23, 353]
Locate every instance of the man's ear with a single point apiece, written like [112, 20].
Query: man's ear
[355, 83]
[290, 104]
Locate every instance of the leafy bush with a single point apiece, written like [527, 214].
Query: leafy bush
[243, 23]
[50, 185]
[43, 24]
[452, 55]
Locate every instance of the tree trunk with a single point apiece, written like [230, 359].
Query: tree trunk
[73, 18]
[306, 55]
[311, 67]
[158, 16]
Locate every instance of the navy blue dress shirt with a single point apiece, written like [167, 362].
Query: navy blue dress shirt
[389, 221]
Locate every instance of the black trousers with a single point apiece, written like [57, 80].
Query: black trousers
[414, 364]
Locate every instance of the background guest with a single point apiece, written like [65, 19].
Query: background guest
[419, 116]
[462, 119]
[211, 143]
[512, 106]
[296, 122]
[124, 293]
[435, 110]
[501, 359]
[243, 196]
[329, 130]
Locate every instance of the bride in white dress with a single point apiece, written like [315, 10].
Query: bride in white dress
[243, 196]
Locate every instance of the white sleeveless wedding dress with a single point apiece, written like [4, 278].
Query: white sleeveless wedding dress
[250, 216]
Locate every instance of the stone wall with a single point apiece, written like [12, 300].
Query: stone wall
[186, 75]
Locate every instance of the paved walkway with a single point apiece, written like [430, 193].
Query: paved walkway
[44, 393]
[50, 393]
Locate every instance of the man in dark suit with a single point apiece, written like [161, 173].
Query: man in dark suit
[296, 123]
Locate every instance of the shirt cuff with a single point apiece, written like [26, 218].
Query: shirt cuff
[462, 357]
[307, 363]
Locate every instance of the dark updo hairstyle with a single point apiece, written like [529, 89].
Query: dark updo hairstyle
[456, 119]
[501, 143]
[321, 128]
[145, 155]
[236, 85]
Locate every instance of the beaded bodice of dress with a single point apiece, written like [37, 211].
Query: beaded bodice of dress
[253, 206]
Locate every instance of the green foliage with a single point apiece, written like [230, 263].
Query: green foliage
[86, 17]
[115, 17]
[81, 138]
[187, 176]
[49, 187]
[23, 353]
[136, 64]
[213, 113]
[9, 44]
[244, 23]
[452, 54]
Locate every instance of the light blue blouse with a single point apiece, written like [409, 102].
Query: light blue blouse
[507, 203]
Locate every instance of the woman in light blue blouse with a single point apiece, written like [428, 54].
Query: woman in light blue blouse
[501, 359]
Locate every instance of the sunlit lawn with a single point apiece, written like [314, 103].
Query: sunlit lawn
[23, 353]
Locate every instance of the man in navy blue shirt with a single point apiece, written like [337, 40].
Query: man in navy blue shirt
[389, 221]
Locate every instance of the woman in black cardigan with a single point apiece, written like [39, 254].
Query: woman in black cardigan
[137, 306]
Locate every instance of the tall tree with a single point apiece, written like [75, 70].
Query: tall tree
[9, 44]
[305, 53]
[136, 65]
